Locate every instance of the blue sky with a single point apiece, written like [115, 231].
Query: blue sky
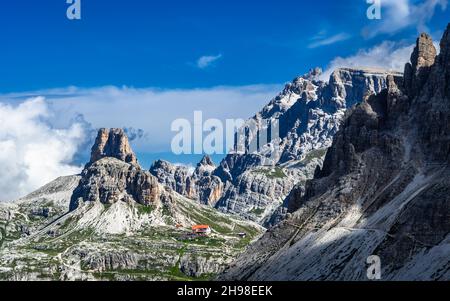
[157, 43]
[140, 65]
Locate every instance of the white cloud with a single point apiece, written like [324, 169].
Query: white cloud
[153, 110]
[40, 138]
[321, 40]
[33, 153]
[208, 60]
[148, 112]
[387, 55]
[400, 14]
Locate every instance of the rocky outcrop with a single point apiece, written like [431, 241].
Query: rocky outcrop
[234, 165]
[210, 190]
[176, 178]
[416, 72]
[255, 184]
[200, 185]
[257, 193]
[309, 113]
[112, 143]
[383, 190]
[431, 106]
[207, 186]
[113, 174]
[113, 260]
[197, 266]
[122, 225]
[109, 181]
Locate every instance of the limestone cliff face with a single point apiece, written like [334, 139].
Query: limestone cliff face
[383, 189]
[109, 180]
[200, 185]
[112, 143]
[113, 174]
[309, 112]
[208, 186]
[416, 72]
[122, 225]
[255, 191]
[176, 178]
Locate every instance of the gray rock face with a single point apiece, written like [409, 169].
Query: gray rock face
[383, 190]
[114, 260]
[201, 185]
[416, 72]
[235, 164]
[176, 178]
[112, 143]
[309, 112]
[122, 225]
[196, 266]
[113, 174]
[109, 181]
[258, 192]
[207, 186]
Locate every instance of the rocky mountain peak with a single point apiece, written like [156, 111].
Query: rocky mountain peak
[114, 175]
[206, 161]
[201, 185]
[445, 47]
[422, 58]
[112, 143]
[161, 164]
[205, 167]
[313, 74]
[424, 53]
[309, 113]
[382, 189]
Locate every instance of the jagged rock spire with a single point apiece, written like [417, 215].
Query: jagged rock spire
[313, 73]
[206, 161]
[205, 167]
[422, 58]
[112, 143]
[109, 181]
[425, 53]
[445, 47]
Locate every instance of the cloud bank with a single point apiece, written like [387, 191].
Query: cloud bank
[387, 55]
[400, 14]
[152, 111]
[42, 138]
[32, 152]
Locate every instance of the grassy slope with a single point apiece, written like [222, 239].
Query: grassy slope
[159, 250]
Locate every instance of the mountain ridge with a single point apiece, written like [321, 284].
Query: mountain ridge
[309, 112]
[114, 221]
[383, 189]
[342, 181]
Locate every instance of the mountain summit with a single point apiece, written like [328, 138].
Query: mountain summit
[114, 175]
[383, 189]
[309, 112]
[115, 222]
[112, 143]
